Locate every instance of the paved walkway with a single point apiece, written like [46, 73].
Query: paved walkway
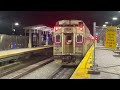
[108, 64]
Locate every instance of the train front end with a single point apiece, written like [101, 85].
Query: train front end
[68, 42]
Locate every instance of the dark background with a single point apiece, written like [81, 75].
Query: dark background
[49, 18]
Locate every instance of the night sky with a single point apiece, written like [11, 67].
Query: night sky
[49, 18]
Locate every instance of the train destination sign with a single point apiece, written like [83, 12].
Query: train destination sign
[111, 37]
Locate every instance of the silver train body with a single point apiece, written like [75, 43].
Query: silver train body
[72, 40]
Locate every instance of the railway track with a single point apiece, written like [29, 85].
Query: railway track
[62, 73]
[26, 70]
[46, 69]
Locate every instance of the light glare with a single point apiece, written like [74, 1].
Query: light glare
[106, 22]
[104, 25]
[115, 18]
[16, 24]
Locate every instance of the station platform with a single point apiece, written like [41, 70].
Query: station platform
[108, 64]
[12, 52]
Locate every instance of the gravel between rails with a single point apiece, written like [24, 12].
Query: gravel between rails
[43, 72]
[62, 73]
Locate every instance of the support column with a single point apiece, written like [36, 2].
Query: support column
[46, 38]
[26, 43]
[25, 32]
[40, 37]
[30, 39]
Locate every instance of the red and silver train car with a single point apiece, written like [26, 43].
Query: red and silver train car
[72, 40]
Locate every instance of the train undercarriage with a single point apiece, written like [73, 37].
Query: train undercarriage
[69, 60]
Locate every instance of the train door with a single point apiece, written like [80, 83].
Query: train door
[68, 43]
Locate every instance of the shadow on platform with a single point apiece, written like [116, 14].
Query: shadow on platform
[117, 55]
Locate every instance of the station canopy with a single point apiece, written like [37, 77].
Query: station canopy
[39, 27]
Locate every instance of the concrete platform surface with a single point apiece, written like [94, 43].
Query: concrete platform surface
[108, 64]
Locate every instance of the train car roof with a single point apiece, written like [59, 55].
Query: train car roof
[69, 21]
[72, 21]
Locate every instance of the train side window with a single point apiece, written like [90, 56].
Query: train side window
[57, 38]
[79, 38]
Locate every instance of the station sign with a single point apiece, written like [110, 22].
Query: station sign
[111, 33]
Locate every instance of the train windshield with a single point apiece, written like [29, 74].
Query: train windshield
[57, 38]
[69, 38]
[79, 38]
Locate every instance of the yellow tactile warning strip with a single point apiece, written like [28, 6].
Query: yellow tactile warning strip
[82, 70]
[22, 52]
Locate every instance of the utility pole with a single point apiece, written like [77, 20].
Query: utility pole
[14, 24]
[94, 70]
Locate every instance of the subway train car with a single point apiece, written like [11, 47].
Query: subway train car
[72, 40]
[13, 42]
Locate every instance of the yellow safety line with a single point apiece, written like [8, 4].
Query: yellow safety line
[82, 70]
[15, 53]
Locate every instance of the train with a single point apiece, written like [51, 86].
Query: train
[8, 42]
[72, 40]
